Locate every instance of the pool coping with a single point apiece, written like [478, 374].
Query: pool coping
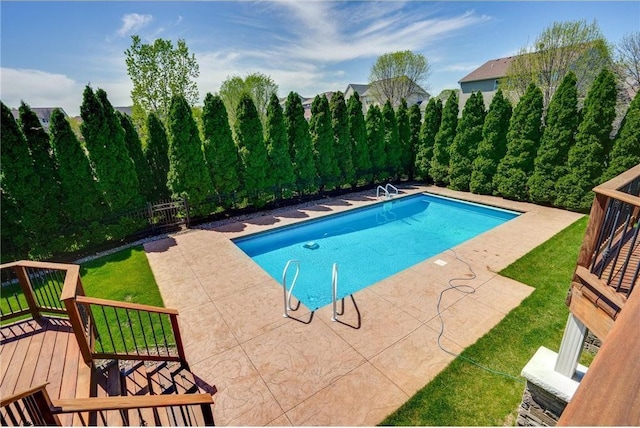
[269, 370]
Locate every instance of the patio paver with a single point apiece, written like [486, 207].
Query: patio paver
[269, 370]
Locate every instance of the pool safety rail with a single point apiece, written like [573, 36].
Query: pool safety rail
[287, 293]
[334, 289]
[388, 191]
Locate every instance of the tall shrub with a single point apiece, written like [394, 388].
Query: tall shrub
[586, 158]
[375, 140]
[342, 141]
[465, 144]
[322, 139]
[104, 139]
[157, 155]
[253, 152]
[557, 138]
[415, 122]
[300, 145]
[428, 131]
[280, 163]
[391, 141]
[626, 147]
[444, 138]
[134, 148]
[188, 176]
[493, 145]
[523, 139]
[358, 135]
[220, 151]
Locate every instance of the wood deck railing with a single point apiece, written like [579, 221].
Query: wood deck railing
[103, 328]
[609, 261]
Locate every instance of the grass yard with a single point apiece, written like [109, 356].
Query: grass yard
[464, 394]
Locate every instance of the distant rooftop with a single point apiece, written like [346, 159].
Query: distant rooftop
[492, 69]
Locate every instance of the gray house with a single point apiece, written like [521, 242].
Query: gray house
[484, 79]
[420, 96]
[43, 113]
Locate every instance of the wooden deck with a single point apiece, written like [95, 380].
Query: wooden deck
[36, 352]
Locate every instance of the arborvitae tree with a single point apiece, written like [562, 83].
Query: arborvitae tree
[252, 151]
[586, 158]
[558, 137]
[20, 186]
[13, 238]
[523, 139]
[157, 154]
[415, 123]
[493, 146]
[428, 132]
[220, 151]
[82, 201]
[134, 148]
[322, 138]
[104, 139]
[342, 141]
[391, 141]
[626, 147]
[44, 166]
[358, 135]
[439, 170]
[280, 163]
[188, 175]
[375, 140]
[404, 137]
[465, 144]
[299, 141]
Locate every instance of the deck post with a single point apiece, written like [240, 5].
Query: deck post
[27, 290]
[176, 334]
[575, 333]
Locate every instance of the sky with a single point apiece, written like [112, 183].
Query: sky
[49, 51]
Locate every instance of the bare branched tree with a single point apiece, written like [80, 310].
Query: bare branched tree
[628, 61]
[398, 75]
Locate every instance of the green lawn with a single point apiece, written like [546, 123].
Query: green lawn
[464, 394]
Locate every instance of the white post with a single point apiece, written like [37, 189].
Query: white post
[571, 346]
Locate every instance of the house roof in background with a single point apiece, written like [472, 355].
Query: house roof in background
[124, 110]
[360, 89]
[492, 69]
[43, 113]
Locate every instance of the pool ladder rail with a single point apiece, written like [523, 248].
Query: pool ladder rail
[287, 293]
[389, 191]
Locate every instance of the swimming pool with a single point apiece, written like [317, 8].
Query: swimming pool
[368, 244]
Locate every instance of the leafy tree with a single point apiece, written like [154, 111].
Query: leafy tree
[20, 186]
[82, 201]
[258, 86]
[523, 139]
[157, 155]
[628, 61]
[322, 139]
[562, 47]
[220, 151]
[300, 144]
[439, 169]
[625, 153]
[252, 150]
[391, 141]
[404, 137]
[188, 175]
[375, 140]
[104, 139]
[427, 138]
[134, 148]
[586, 158]
[13, 238]
[342, 141]
[44, 165]
[493, 145]
[358, 135]
[398, 75]
[415, 123]
[280, 164]
[557, 138]
[465, 144]
[158, 72]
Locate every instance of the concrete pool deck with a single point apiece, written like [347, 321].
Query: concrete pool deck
[270, 370]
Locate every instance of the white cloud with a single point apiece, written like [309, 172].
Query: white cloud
[132, 22]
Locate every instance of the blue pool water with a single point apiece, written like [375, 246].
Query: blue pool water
[368, 244]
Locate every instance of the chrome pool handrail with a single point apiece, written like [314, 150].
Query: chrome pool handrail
[287, 293]
[334, 286]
